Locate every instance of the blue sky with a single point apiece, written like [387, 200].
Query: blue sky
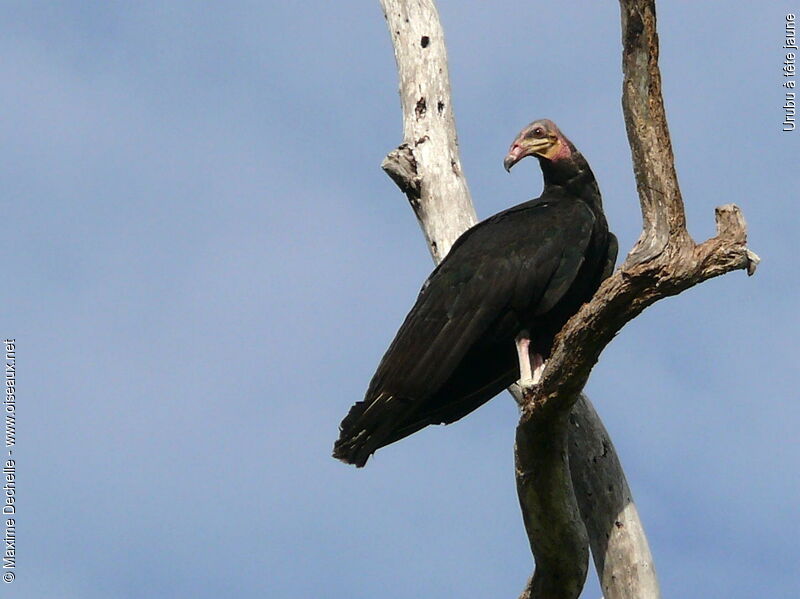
[203, 264]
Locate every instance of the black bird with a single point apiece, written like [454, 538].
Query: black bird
[487, 315]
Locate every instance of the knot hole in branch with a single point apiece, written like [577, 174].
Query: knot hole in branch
[421, 108]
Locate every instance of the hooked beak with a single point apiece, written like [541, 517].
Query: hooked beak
[515, 154]
[521, 149]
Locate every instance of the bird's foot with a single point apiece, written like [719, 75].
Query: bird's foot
[527, 385]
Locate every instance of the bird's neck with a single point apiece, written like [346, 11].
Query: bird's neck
[573, 176]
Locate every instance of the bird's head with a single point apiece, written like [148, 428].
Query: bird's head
[541, 139]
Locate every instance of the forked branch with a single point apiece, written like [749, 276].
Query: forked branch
[664, 262]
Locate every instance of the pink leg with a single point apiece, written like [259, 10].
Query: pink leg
[531, 366]
[523, 342]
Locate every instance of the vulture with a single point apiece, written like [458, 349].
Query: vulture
[487, 315]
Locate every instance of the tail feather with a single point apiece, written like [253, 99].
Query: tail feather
[368, 426]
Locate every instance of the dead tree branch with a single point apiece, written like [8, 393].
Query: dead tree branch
[664, 262]
[619, 545]
[426, 167]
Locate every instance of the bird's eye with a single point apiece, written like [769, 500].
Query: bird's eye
[536, 132]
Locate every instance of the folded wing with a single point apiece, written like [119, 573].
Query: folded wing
[520, 261]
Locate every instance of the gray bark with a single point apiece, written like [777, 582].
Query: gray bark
[619, 545]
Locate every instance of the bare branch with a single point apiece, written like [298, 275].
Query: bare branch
[619, 546]
[678, 263]
[427, 166]
[556, 532]
[648, 134]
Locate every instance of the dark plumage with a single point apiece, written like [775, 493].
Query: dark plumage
[527, 268]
